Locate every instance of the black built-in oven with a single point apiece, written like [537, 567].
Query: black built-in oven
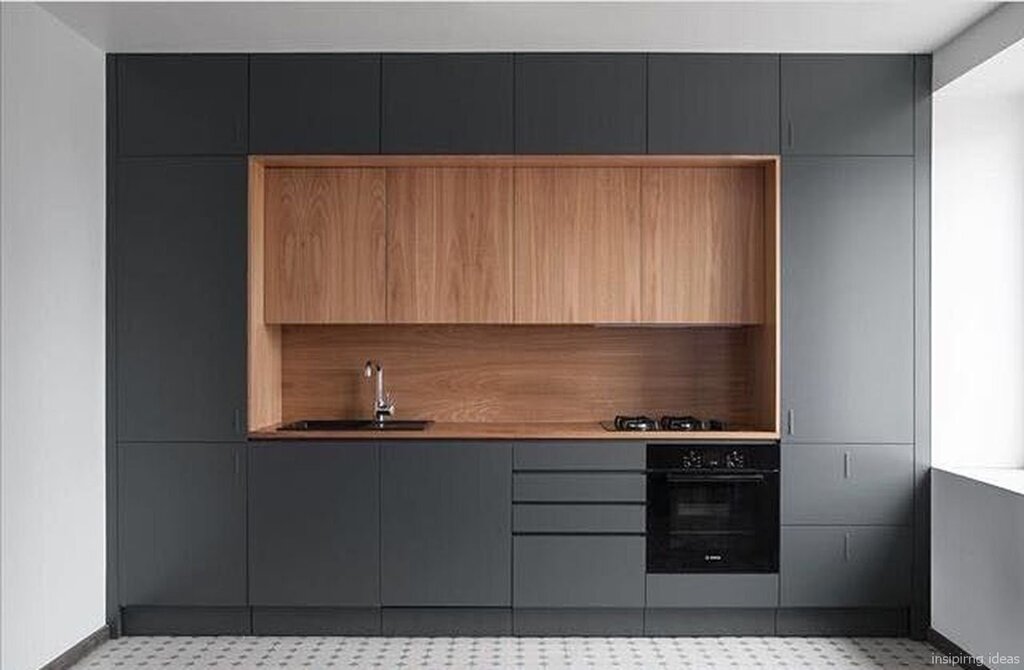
[712, 508]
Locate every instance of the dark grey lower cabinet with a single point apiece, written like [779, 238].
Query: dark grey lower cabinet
[446, 514]
[182, 524]
[579, 571]
[313, 525]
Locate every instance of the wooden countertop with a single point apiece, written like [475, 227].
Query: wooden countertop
[512, 431]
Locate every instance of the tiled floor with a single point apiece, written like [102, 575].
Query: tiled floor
[509, 652]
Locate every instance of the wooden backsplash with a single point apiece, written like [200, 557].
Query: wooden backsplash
[523, 373]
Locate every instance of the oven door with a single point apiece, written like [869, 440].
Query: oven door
[712, 521]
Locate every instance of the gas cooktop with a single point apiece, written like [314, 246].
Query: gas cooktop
[672, 423]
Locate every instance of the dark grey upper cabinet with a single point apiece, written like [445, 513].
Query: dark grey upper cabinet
[314, 103]
[581, 103]
[446, 535]
[180, 245]
[182, 104]
[182, 524]
[847, 300]
[447, 103]
[848, 105]
[713, 104]
[314, 524]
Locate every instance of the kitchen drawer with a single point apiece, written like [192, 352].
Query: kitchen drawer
[578, 571]
[546, 518]
[724, 590]
[845, 566]
[579, 487]
[580, 456]
[847, 484]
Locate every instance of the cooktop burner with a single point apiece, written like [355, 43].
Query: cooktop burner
[674, 423]
[635, 423]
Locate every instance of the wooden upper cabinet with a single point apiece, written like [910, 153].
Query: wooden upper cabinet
[703, 245]
[449, 245]
[325, 254]
[577, 245]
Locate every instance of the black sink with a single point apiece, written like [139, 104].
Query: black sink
[354, 424]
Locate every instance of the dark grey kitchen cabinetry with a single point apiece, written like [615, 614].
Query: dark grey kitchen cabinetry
[447, 103]
[182, 524]
[845, 566]
[180, 245]
[314, 103]
[848, 104]
[182, 104]
[713, 103]
[446, 536]
[314, 524]
[579, 571]
[847, 300]
[580, 103]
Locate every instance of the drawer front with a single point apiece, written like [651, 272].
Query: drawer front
[847, 484]
[726, 590]
[578, 571]
[580, 456]
[845, 566]
[601, 518]
[579, 487]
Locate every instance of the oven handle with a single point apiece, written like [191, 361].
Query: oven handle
[677, 478]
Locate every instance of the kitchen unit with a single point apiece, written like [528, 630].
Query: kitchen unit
[522, 278]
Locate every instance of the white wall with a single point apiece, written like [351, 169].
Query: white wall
[978, 275]
[51, 338]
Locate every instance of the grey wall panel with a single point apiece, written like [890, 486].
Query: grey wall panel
[585, 456]
[578, 571]
[710, 590]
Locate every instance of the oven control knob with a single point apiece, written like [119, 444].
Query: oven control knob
[693, 459]
[735, 459]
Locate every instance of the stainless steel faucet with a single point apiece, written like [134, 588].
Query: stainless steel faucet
[383, 407]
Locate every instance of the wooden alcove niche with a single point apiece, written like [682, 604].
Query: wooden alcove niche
[687, 325]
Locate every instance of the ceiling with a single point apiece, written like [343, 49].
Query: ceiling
[808, 26]
[1002, 75]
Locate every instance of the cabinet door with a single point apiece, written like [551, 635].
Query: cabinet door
[580, 103]
[446, 536]
[314, 103]
[703, 237]
[577, 241]
[182, 104]
[859, 105]
[314, 524]
[579, 571]
[182, 524]
[449, 245]
[325, 245]
[845, 566]
[447, 103]
[713, 104]
[847, 300]
[179, 255]
[847, 484]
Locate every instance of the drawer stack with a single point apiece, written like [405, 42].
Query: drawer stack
[578, 522]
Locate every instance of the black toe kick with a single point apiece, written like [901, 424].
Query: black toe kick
[597, 621]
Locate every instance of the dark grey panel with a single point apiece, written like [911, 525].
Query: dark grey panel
[578, 571]
[580, 103]
[185, 621]
[314, 103]
[848, 104]
[713, 103]
[447, 621]
[863, 621]
[113, 599]
[724, 590]
[579, 487]
[180, 299]
[447, 103]
[847, 484]
[182, 534]
[182, 104]
[446, 524]
[709, 621]
[580, 456]
[569, 518]
[602, 621]
[314, 524]
[847, 300]
[845, 566]
[315, 621]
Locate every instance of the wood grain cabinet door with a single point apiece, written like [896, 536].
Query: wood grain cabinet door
[325, 245]
[577, 245]
[449, 245]
[703, 245]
